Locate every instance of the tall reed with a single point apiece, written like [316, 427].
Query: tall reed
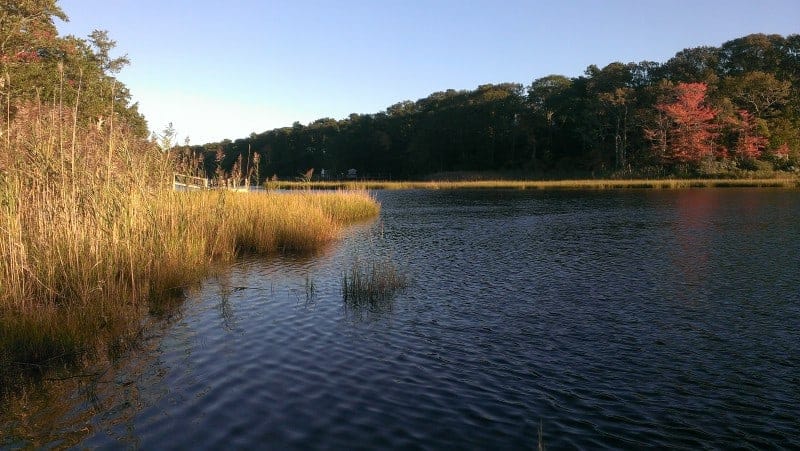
[91, 240]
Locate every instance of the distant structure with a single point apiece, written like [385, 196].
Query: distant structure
[185, 182]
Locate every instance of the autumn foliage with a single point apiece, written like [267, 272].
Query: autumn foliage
[686, 130]
[749, 143]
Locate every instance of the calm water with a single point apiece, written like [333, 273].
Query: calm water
[621, 319]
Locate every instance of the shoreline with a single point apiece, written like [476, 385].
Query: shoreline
[588, 184]
[56, 311]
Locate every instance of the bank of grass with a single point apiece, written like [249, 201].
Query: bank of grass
[582, 184]
[92, 237]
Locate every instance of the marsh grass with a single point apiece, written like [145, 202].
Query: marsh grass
[344, 205]
[93, 240]
[371, 281]
[587, 184]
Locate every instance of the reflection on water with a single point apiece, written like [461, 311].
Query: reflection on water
[372, 311]
[63, 411]
[622, 319]
[694, 232]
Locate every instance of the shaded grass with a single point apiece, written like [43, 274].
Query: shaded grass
[588, 184]
[85, 257]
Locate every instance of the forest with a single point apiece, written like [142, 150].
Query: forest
[725, 111]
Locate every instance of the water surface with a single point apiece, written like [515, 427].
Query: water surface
[615, 319]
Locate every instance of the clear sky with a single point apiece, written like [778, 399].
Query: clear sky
[223, 69]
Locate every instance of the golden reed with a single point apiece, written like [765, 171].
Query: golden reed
[92, 236]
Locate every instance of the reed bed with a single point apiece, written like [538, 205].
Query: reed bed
[344, 205]
[92, 236]
[583, 184]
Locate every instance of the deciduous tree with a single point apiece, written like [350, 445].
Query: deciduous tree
[757, 91]
[689, 128]
[749, 143]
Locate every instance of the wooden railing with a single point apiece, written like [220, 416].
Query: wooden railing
[183, 182]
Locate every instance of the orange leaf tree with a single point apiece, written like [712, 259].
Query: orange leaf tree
[686, 130]
[749, 143]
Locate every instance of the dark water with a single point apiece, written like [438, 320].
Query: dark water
[624, 319]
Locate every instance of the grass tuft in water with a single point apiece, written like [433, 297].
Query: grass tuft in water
[366, 282]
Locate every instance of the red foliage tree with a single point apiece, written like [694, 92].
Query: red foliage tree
[782, 151]
[687, 130]
[749, 144]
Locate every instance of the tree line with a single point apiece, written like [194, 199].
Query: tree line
[707, 110]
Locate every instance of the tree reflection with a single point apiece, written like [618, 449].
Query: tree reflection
[694, 234]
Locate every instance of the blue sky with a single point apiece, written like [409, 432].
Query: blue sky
[224, 69]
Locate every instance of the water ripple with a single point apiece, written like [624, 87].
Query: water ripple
[614, 319]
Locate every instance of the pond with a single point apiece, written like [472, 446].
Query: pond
[609, 319]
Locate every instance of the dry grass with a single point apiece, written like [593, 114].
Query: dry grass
[85, 256]
[344, 205]
[590, 184]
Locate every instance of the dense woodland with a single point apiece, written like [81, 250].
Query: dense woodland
[719, 111]
[723, 111]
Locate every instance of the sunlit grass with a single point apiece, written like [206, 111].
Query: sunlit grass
[84, 257]
[588, 184]
[347, 205]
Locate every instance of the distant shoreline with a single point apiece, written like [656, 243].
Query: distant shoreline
[589, 184]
